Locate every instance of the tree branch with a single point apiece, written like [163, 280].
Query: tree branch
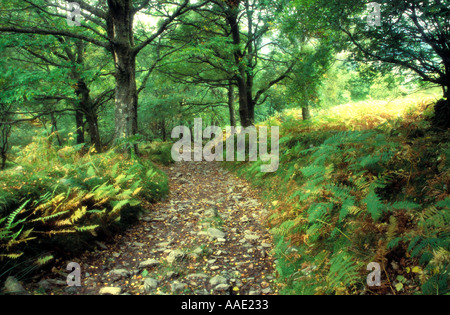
[273, 82]
[162, 28]
[40, 31]
[392, 60]
[182, 9]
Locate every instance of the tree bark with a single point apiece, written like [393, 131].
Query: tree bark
[231, 104]
[306, 113]
[79, 125]
[251, 63]
[4, 135]
[442, 110]
[244, 113]
[120, 31]
[3, 165]
[92, 121]
[241, 76]
[87, 110]
[3, 157]
[55, 128]
[125, 95]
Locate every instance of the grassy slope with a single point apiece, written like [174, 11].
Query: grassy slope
[55, 201]
[360, 183]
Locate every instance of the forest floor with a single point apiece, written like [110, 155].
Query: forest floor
[210, 236]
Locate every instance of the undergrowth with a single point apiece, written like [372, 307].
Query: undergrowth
[56, 201]
[355, 189]
[158, 152]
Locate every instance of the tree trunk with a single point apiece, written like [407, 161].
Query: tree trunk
[241, 77]
[231, 104]
[163, 130]
[79, 125]
[3, 157]
[55, 129]
[92, 121]
[120, 31]
[85, 107]
[244, 112]
[87, 110]
[250, 64]
[306, 113]
[250, 102]
[126, 96]
[442, 112]
[4, 135]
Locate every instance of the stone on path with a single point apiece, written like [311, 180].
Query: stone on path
[212, 212]
[149, 263]
[150, 284]
[214, 281]
[215, 233]
[110, 291]
[13, 286]
[251, 237]
[121, 272]
[175, 255]
[197, 276]
[221, 287]
[177, 286]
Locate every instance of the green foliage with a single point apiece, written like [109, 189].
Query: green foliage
[343, 271]
[158, 152]
[70, 198]
[343, 198]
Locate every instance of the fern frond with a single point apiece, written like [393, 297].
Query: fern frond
[10, 255]
[405, 205]
[343, 271]
[77, 215]
[49, 217]
[54, 232]
[12, 216]
[86, 228]
[374, 205]
[63, 222]
[44, 260]
[284, 229]
[391, 230]
[347, 207]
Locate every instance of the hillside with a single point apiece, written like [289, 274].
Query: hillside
[360, 183]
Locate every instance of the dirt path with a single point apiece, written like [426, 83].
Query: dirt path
[208, 237]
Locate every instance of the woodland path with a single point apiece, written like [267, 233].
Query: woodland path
[208, 237]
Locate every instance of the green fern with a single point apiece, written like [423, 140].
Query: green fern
[374, 204]
[405, 205]
[86, 228]
[347, 207]
[284, 229]
[44, 260]
[343, 271]
[49, 217]
[9, 222]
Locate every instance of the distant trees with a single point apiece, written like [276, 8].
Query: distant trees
[414, 35]
[248, 51]
[232, 45]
